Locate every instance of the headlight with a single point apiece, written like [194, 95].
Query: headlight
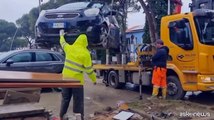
[207, 79]
[42, 13]
[91, 12]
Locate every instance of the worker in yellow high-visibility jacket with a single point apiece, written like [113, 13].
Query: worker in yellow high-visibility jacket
[77, 61]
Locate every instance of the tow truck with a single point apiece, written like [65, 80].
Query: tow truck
[190, 39]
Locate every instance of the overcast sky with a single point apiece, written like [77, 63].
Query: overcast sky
[11, 10]
[138, 18]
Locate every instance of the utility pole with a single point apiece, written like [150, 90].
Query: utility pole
[169, 4]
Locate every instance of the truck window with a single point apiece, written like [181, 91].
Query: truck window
[205, 29]
[180, 34]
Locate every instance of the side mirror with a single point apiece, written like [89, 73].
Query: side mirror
[9, 62]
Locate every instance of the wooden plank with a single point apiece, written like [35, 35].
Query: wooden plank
[14, 97]
[29, 75]
[11, 76]
[35, 81]
[39, 85]
[18, 110]
[23, 90]
[39, 117]
[13, 79]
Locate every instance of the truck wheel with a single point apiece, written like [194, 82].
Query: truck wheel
[113, 79]
[174, 88]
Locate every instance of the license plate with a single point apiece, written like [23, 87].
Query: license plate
[58, 25]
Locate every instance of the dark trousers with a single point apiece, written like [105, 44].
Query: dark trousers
[78, 100]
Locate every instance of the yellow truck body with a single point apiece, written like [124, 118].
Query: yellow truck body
[190, 65]
[194, 66]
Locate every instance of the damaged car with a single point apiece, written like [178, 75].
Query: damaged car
[96, 19]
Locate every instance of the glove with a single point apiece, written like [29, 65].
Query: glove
[61, 32]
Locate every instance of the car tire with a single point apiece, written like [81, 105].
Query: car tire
[104, 36]
[174, 88]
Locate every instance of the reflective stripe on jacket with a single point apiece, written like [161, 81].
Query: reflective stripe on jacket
[77, 59]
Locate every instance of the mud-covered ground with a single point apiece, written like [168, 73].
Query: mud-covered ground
[99, 97]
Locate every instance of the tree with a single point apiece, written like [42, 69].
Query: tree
[154, 10]
[7, 30]
[152, 25]
[19, 43]
[25, 29]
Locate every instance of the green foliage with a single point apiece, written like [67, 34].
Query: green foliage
[19, 43]
[146, 37]
[7, 30]
[24, 25]
[159, 8]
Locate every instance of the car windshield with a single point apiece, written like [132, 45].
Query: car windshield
[80, 5]
[5, 54]
[74, 6]
[205, 28]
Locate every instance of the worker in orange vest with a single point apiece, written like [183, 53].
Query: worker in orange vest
[159, 61]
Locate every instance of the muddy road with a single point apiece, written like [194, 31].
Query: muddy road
[98, 97]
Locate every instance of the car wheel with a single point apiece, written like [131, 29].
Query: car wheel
[104, 36]
[174, 88]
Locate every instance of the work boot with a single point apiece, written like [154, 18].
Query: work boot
[154, 93]
[164, 93]
[152, 98]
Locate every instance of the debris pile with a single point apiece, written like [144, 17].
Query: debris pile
[155, 109]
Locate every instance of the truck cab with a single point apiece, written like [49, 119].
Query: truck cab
[190, 38]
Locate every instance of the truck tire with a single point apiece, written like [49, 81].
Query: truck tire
[174, 88]
[113, 80]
